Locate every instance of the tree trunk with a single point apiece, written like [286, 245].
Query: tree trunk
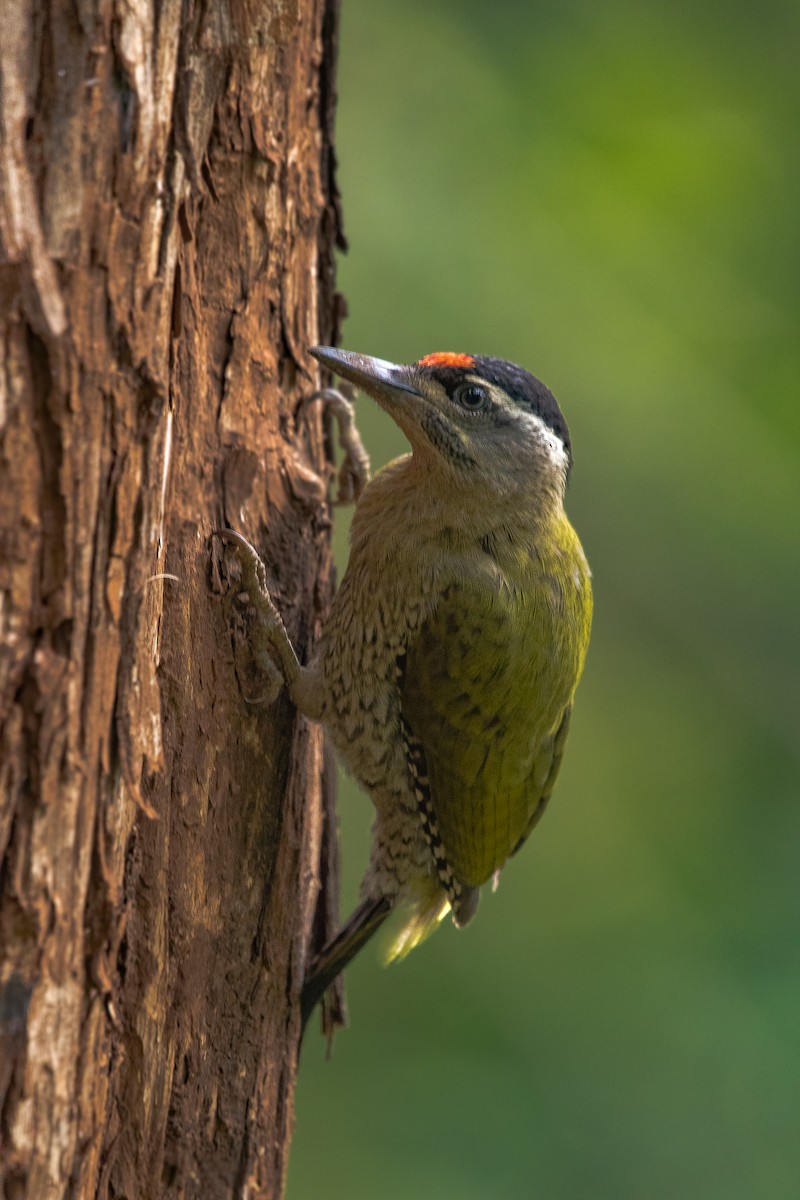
[167, 216]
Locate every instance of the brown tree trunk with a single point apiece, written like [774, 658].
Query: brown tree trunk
[167, 216]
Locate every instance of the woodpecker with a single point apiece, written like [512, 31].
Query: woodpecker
[448, 664]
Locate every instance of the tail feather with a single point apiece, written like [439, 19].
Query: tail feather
[419, 922]
[341, 950]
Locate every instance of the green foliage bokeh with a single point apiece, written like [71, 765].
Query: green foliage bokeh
[607, 194]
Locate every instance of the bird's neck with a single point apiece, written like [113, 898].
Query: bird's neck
[407, 500]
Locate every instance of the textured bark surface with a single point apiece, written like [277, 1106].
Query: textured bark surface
[167, 217]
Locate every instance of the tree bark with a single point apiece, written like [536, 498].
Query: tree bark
[168, 216]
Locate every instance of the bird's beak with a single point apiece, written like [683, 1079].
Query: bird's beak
[387, 382]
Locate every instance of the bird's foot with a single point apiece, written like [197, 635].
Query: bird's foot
[354, 472]
[270, 643]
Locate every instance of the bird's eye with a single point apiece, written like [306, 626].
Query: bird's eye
[471, 396]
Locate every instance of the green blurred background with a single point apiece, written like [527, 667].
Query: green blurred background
[609, 195]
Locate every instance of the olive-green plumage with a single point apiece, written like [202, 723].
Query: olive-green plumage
[449, 663]
[489, 681]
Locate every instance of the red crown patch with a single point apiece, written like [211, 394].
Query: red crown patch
[446, 359]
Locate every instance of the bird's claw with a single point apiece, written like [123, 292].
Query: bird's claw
[354, 473]
[270, 625]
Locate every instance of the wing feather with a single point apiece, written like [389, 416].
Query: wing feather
[486, 693]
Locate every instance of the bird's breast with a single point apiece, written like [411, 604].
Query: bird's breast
[374, 614]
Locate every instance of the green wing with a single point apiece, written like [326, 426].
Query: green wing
[487, 693]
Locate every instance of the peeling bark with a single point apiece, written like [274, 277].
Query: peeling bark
[167, 217]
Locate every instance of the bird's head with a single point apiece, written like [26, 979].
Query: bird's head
[483, 420]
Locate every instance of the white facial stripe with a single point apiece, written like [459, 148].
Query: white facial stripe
[551, 442]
